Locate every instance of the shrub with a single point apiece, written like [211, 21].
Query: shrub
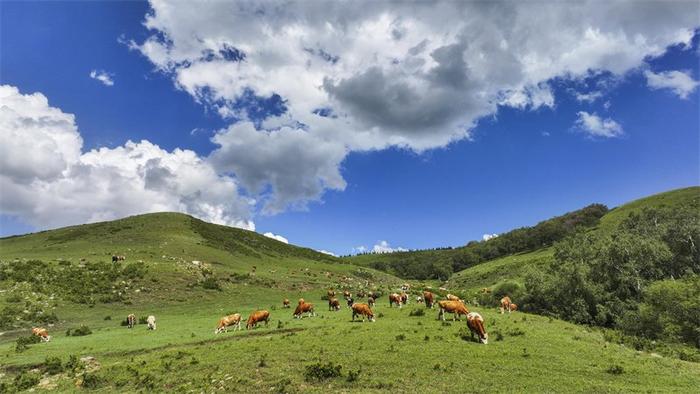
[401, 337]
[23, 343]
[53, 365]
[353, 375]
[73, 364]
[615, 370]
[80, 331]
[26, 380]
[319, 372]
[211, 283]
[417, 312]
[92, 381]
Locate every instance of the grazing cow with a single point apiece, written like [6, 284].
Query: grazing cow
[151, 321]
[362, 310]
[350, 301]
[394, 299]
[131, 321]
[404, 298]
[405, 287]
[513, 307]
[286, 303]
[429, 299]
[256, 317]
[227, 321]
[476, 326]
[41, 333]
[346, 294]
[330, 294]
[116, 258]
[370, 301]
[454, 307]
[505, 304]
[333, 304]
[419, 299]
[304, 307]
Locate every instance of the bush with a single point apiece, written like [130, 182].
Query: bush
[417, 312]
[26, 380]
[53, 365]
[80, 331]
[23, 343]
[92, 381]
[615, 370]
[319, 372]
[211, 283]
[401, 337]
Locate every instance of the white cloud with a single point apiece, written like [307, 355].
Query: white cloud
[359, 249]
[595, 126]
[410, 75]
[103, 76]
[277, 237]
[589, 97]
[384, 247]
[680, 82]
[327, 252]
[487, 237]
[50, 182]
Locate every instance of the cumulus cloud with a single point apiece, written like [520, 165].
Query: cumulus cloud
[48, 181]
[589, 97]
[680, 82]
[357, 78]
[486, 237]
[103, 76]
[276, 237]
[384, 247]
[595, 126]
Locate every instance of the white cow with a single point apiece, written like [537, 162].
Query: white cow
[151, 321]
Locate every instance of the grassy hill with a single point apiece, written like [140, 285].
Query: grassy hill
[189, 273]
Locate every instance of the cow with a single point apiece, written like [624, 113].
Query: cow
[429, 298]
[350, 301]
[304, 307]
[404, 298]
[346, 294]
[419, 299]
[116, 258]
[362, 310]
[405, 287]
[452, 297]
[370, 301]
[333, 304]
[227, 321]
[151, 321]
[286, 303]
[41, 333]
[256, 317]
[131, 321]
[455, 307]
[394, 299]
[505, 304]
[513, 307]
[330, 293]
[476, 326]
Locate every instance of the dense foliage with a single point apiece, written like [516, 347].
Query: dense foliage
[642, 277]
[442, 262]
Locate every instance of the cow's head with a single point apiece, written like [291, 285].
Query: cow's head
[484, 339]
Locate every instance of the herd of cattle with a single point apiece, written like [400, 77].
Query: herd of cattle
[451, 304]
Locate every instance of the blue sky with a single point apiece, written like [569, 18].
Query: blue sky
[481, 167]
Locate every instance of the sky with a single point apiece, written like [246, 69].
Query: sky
[344, 127]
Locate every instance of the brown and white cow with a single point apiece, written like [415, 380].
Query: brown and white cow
[304, 307]
[476, 326]
[394, 298]
[455, 307]
[333, 304]
[330, 293]
[362, 310]
[513, 307]
[346, 294]
[370, 301]
[151, 322]
[286, 303]
[404, 298]
[505, 304]
[429, 298]
[41, 333]
[228, 321]
[131, 321]
[256, 317]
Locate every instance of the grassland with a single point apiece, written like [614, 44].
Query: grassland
[398, 352]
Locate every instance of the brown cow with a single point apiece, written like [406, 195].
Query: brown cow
[304, 307]
[476, 326]
[394, 299]
[333, 304]
[429, 299]
[41, 333]
[513, 307]
[505, 304]
[227, 321]
[370, 301]
[256, 317]
[362, 310]
[330, 293]
[131, 321]
[455, 307]
[286, 303]
[404, 298]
